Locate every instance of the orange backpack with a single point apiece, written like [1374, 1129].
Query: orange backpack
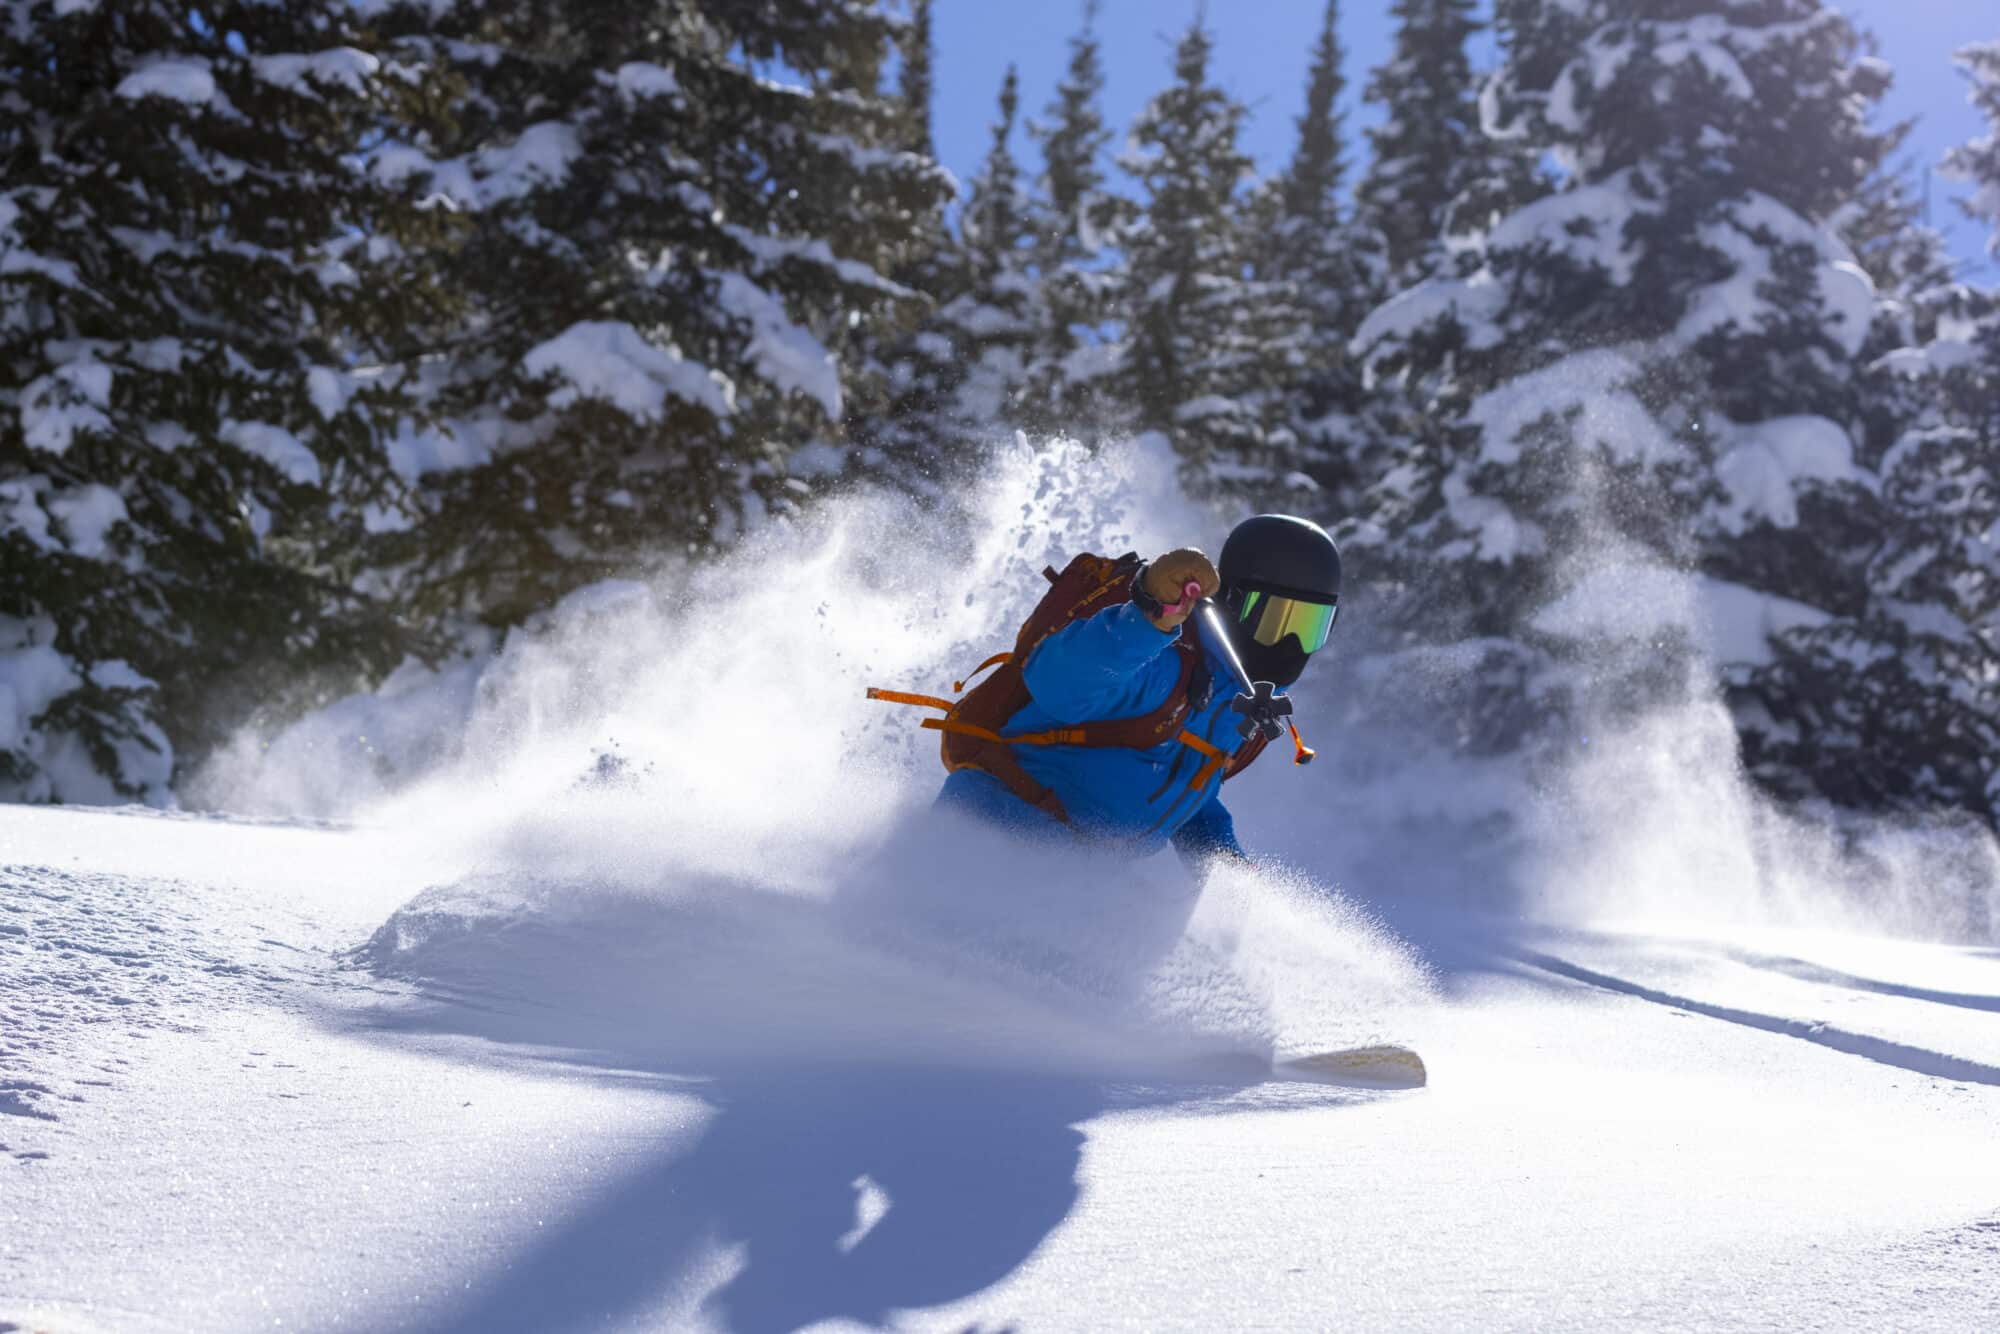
[972, 725]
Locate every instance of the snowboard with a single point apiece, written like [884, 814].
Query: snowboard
[1372, 1067]
[1385, 1066]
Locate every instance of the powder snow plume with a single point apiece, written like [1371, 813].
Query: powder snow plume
[681, 831]
[678, 827]
[1652, 823]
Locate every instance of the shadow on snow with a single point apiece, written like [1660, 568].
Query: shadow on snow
[970, 1160]
[975, 1170]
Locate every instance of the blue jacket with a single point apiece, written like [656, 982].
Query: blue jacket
[1116, 664]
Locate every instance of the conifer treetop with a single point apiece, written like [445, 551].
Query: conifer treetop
[1430, 144]
[914, 79]
[1072, 137]
[1318, 167]
[994, 213]
[1978, 162]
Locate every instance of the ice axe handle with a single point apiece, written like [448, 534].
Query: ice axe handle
[1260, 706]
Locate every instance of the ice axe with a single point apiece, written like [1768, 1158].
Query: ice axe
[1262, 708]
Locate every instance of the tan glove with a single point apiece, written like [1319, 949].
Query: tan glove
[1171, 573]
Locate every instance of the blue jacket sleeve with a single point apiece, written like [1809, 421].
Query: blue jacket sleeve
[1096, 667]
[1209, 832]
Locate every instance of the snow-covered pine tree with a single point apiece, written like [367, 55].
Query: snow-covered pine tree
[1908, 261]
[899, 427]
[1335, 271]
[954, 380]
[1650, 368]
[1434, 174]
[680, 219]
[186, 453]
[913, 80]
[1978, 163]
[1208, 348]
[1067, 386]
[995, 321]
[1911, 266]
[1897, 703]
[1940, 569]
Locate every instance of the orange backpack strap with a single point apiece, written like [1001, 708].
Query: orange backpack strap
[1213, 758]
[904, 697]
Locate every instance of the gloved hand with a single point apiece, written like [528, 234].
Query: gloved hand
[1166, 577]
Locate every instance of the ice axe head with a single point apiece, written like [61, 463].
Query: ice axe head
[1261, 709]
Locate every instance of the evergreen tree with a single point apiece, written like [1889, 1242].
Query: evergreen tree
[1431, 142]
[899, 408]
[1884, 228]
[1333, 271]
[1652, 367]
[188, 457]
[672, 259]
[1310, 188]
[1978, 162]
[1066, 378]
[995, 321]
[1897, 702]
[954, 380]
[914, 80]
[1437, 179]
[1207, 349]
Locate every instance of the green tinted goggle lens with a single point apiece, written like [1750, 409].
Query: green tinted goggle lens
[1272, 618]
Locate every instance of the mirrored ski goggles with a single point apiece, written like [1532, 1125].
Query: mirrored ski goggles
[1271, 617]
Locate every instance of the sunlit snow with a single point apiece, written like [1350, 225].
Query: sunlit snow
[621, 980]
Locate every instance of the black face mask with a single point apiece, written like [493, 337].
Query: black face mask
[1281, 663]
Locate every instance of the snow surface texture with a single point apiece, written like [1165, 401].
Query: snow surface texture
[212, 1119]
[637, 990]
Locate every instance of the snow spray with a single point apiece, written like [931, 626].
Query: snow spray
[711, 867]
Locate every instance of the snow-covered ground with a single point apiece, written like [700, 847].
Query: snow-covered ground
[215, 1118]
[621, 981]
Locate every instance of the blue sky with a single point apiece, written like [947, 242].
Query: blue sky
[1264, 46]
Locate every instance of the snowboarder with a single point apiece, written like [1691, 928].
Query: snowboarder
[1117, 723]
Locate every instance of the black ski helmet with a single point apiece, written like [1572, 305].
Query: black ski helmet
[1281, 554]
[1285, 556]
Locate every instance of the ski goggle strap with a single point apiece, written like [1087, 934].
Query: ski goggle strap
[1272, 617]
